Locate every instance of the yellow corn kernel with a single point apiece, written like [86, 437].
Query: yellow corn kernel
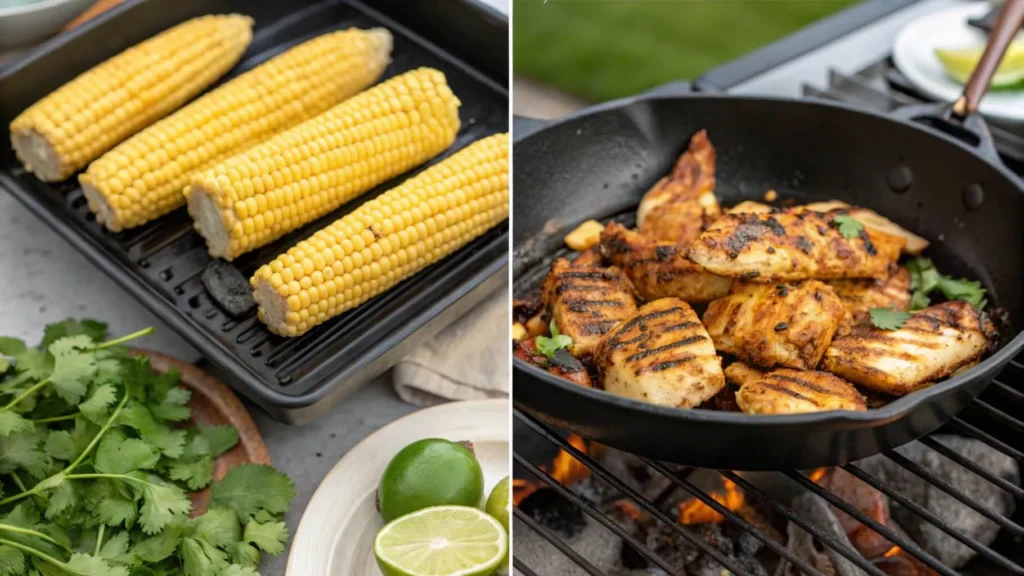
[276, 95]
[317, 166]
[74, 124]
[409, 227]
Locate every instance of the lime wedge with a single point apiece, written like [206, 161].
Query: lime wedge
[499, 505]
[959, 64]
[441, 541]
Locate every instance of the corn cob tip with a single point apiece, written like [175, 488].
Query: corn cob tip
[38, 155]
[99, 204]
[207, 219]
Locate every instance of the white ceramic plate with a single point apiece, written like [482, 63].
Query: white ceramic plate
[335, 535]
[22, 23]
[914, 55]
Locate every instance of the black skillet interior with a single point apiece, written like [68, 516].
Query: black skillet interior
[598, 164]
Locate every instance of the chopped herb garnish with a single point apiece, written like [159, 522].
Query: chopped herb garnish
[888, 318]
[548, 346]
[925, 279]
[849, 226]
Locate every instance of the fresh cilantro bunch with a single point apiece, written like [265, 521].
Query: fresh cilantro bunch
[96, 461]
[925, 279]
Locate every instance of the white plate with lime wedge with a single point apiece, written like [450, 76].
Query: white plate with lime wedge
[337, 531]
[937, 53]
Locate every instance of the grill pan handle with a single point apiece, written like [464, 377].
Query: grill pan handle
[961, 119]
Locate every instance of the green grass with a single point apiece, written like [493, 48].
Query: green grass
[604, 49]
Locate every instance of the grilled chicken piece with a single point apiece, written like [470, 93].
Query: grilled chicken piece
[871, 219]
[767, 325]
[793, 245]
[589, 257]
[860, 296]
[752, 207]
[932, 344]
[741, 374]
[562, 364]
[586, 302]
[786, 391]
[661, 354]
[660, 269]
[678, 207]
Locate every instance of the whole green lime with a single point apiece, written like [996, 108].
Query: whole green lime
[499, 503]
[430, 472]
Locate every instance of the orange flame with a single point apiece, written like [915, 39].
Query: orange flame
[892, 552]
[564, 468]
[818, 474]
[627, 508]
[693, 511]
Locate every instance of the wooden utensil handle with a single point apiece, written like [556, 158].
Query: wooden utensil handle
[1007, 25]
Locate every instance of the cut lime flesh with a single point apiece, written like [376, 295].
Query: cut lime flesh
[441, 541]
[959, 63]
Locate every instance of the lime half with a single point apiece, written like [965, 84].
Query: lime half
[959, 64]
[441, 541]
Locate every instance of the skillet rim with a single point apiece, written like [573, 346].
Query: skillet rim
[894, 411]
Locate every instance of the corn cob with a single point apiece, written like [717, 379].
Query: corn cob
[74, 124]
[386, 240]
[298, 176]
[143, 178]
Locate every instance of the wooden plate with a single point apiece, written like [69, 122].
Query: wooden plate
[214, 403]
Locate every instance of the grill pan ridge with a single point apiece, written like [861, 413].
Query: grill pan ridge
[160, 263]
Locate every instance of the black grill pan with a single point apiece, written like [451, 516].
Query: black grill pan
[159, 263]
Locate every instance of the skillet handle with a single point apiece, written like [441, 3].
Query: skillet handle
[1010, 18]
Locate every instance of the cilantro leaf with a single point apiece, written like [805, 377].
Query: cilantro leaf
[174, 406]
[548, 346]
[219, 526]
[87, 565]
[62, 500]
[97, 406]
[849, 227]
[200, 558]
[888, 318]
[91, 329]
[115, 548]
[159, 547]
[962, 289]
[236, 570]
[925, 278]
[11, 422]
[73, 366]
[22, 451]
[118, 455]
[270, 537]
[12, 561]
[59, 444]
[220, 438]
[11, 347]
[250, 488]
[919, 301]
[244, 554]
[160, 502]
[170, 442]
[197, 474]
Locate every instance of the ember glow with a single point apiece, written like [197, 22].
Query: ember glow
[818, 474]
[564, 468]
[693, 511]
[892, 552]
[627, 508]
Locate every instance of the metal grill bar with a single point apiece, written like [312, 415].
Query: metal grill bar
[979, 434]
[754, 531]
[916, 508]
[630, 493]
[820, 535]
[594, 513]
[557, 543]
[904, 543]
[998, 415]
[953, 491]
[526, 571]
[1001, 483]
[1006, 392]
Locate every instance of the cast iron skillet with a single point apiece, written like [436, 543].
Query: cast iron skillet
[942, 180]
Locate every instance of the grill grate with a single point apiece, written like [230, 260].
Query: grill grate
[996, 419]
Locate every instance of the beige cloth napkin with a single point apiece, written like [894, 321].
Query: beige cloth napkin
[468, 360]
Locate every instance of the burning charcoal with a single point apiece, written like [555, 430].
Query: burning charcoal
[594, 542]
[554, 512]
[631, 470]
[871, 502]
[747, 545]
[228, 288]
[903, 564]
[932, 539]
[803, 545]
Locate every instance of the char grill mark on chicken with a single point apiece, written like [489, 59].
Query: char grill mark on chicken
[786, 391]
[660, 269]
[661, 354]
[793, 245]
[770, 325]
[860, 296]
[586, 302]
[932, 344]
[681, 204]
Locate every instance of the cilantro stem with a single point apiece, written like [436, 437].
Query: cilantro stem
[96, 438]
[30, 532]
[123, 339]
[99, 540]
[25, 394]
[42, 555]
[21, 485]
[55, 418]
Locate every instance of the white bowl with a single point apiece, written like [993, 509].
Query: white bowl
[335, 535]
[25, 24]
